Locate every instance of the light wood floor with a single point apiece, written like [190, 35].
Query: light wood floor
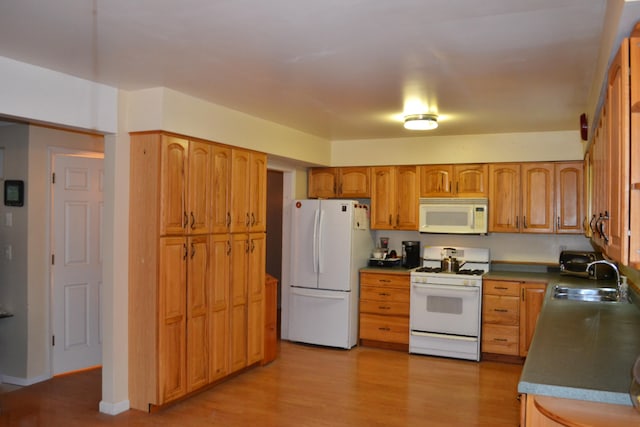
[305, 386]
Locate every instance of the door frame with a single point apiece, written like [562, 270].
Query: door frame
[53, 153]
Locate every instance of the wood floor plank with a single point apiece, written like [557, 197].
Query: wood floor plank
[305, 386]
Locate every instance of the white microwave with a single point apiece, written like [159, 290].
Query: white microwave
[453, 216]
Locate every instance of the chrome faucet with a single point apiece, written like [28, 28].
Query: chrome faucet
[621, 295]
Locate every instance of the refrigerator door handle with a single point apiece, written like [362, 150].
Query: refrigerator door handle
[315, 241]
[320, 248]
[320, 295]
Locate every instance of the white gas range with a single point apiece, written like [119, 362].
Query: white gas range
[445, 307]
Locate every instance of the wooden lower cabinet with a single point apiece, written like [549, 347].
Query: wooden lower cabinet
[384, 310]
[510, 312]
[270, 319]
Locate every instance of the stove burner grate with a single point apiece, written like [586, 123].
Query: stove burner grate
[467, 272]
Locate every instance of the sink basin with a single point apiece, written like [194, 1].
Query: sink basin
[585, 294]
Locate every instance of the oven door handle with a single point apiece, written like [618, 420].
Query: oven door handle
[449, 337]
[468, 289]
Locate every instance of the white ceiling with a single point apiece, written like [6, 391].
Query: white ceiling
[339, 69]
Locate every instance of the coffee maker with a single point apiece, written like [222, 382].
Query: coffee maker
[410, 253]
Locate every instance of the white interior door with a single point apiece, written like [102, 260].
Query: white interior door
[77, 195]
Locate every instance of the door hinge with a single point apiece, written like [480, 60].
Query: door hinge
[53, 178]
[53, 340]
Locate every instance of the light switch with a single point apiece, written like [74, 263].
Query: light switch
[8, 219]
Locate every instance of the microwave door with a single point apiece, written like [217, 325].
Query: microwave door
[446, 219]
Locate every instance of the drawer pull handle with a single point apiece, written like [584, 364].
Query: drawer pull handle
[502, 288]
[382, 307]
[384, 329]
[500, 339]
[501, 310]
[385, 281]
[384, 294]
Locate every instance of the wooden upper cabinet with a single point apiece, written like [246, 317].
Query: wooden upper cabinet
[394, 197]
[240, 178]
[569, 182]
[521, 198]
[617, 155]
[435, 181]
[323, 183]
[407, 197]
[634, 161]
[465, 180]
[199, 187]
[258, 192]
[471, 180]
[537, 198]
[173, 167]
[504, 197]
[248, 191]
[354, 182]
[383, 196]
[341, 182]
[221, 198]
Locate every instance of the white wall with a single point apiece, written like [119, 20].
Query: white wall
[13, 273]
[484, 148]
[24, 288]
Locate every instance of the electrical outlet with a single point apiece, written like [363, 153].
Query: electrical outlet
[8, 252]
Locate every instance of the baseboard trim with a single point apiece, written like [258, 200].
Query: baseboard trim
[114, 408]
[23, 381]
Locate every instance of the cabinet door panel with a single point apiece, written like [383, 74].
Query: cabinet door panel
[323, 183]
[502, 310]
[617, 205]
[199, 187]
[256, 283]
[198, 312]
[258, 192]
[407, 193]
[538, 198]
[240, 172]
[569, 182]
[531, 302]
[504, 199]
[172, 185]
[471, 180]
[221, 189]
[238, 307]
[172, 319]
[354, 182]
[219, 306]
[435, 181]
[382, 198]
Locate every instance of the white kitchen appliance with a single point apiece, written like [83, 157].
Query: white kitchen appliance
[331, 241]
[446, 307]
[453, 215]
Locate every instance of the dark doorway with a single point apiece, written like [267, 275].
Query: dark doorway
[274, 229]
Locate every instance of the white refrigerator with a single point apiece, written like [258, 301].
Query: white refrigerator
[331, 241]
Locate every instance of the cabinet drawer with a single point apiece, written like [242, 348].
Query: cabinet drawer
[382, 279]
[500, 339]
[393, 329]
[384, 307]
[503, 310]
[385, 294]
[501, 287]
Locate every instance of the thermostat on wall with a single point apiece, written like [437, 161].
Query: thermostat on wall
[13, 193]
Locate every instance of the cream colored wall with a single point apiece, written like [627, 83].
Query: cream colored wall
[166, 109]
[484, 148]
[41, 139]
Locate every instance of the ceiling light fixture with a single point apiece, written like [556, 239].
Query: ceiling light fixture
[421, 121]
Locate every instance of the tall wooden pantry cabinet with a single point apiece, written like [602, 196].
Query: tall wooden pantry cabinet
[196, 275]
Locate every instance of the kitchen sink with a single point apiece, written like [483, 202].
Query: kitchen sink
[585, 294]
